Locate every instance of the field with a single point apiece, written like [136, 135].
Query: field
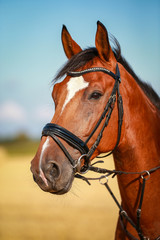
[28, 213]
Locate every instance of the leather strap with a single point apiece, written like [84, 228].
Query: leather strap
[66, 135]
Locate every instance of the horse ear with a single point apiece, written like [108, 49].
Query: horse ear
[70, 46]
[102, 43]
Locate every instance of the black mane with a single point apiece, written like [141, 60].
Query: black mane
[79, 60]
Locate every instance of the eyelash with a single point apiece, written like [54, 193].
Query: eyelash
[95, 95]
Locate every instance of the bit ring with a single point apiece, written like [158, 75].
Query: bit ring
[143, 176]
[102, 178]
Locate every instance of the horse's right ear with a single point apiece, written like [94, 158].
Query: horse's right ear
[102, 43]
[70, 46]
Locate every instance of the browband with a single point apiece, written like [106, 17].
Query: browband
[97, 69]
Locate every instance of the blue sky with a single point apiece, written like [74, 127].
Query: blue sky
[31, 51]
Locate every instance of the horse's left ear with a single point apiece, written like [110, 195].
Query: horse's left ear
[102, 43]
[70, 46]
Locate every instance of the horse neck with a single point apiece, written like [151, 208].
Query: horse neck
[139, 148]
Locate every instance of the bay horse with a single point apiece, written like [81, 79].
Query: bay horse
[102, 106]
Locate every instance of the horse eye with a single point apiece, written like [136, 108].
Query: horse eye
[95, 95]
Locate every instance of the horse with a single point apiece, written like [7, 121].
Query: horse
[101, 106]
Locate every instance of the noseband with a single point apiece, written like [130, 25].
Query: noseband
[55, 131]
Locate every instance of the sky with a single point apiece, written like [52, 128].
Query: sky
[31, 51]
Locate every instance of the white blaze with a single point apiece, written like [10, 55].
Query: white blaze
[45, 145]
[74, 85]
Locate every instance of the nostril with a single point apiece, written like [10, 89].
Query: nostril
[52, 171]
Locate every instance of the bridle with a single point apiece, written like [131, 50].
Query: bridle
[55, 131]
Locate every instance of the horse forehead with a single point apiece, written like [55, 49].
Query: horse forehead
[74, 85]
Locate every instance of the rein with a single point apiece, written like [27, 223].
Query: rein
[145, 175]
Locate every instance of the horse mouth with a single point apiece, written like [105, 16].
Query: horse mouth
[60, 192]
[56, 187]
[64, 189]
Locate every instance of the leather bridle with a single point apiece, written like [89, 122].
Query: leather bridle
[55, 131]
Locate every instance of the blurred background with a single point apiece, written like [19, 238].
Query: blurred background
[30, 55]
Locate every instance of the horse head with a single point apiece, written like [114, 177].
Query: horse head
[80, 100]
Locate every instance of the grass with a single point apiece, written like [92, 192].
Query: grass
[20, 146]
[28, 213]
